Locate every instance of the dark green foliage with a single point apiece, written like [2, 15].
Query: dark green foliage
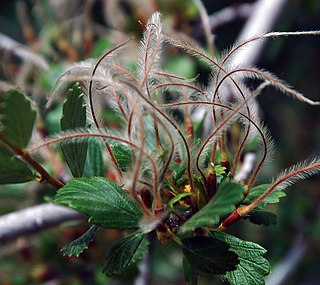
[121, 253]
[77, 246]
[261, 217]
[17, 118]
[209, 255]
[12, 169]
[94, 163]
[122, 155]
[190, 273]
[252, 267]
[104, 201]
[223, 203]
[74, 116]
[255, 192]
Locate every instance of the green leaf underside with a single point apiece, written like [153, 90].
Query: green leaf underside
[121, 253]
[74, 116]
[261, 217]
[273, 198]
[104, 201]
[77, 246]
[228, 195]
[17, 118]
[209, 255]
[94, 162]
[190, 273]
[253, 267]
[122, 155]
[13, 170]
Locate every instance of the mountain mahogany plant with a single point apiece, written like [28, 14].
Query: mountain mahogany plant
[151, 164]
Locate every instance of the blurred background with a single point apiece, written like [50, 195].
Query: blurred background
[38, 39]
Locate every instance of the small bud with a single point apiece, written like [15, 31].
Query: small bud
[211, 185]
[164, 234]
[226, 164]
[146, 197]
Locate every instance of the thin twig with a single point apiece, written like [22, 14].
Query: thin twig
[262, 20]
[206, 24]
[230, 14]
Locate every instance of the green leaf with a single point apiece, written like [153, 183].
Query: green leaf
[183, 66]
[123, 156]
[178, 171]
[209, 255]
[100, 47]
[121, 253]
[17, 118]
[104, 201]
[74, 116]
[190, 273]
[273, 198]
[261, 217]
[12, 169]
[94, 162]
[176, 199]
[141, 251]
[80, 244]
[228, 195]
[253, 267]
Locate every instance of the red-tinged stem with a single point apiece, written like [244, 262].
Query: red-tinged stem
[73, 136]
[168, 119]
[245, 210]
[231, 109]
[119, 171]
[231, 219]
[25, 155]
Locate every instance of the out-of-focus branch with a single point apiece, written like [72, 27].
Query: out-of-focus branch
[230, 14]
[35, 219]
[9, 45]
[262, 20]
[264, 16]
[206, 24]
[284, 269]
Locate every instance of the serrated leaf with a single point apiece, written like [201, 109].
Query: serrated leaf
[94, 162]
[190, 273]
[209, 255]
[122, 155]
[273, 198]
[80, 244]
[261, 217]
[17, 118]
[253, 267]
[228, 195]
[121, 253]
[74, 116]
[104, 201]
[12, 169]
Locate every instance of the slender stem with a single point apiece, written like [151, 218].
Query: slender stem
[25, 155]
[100, 135]
[244, 210]
[115, 162]
[154, 106]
